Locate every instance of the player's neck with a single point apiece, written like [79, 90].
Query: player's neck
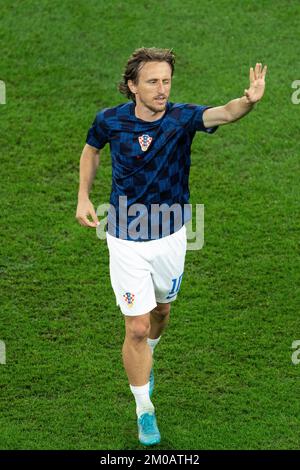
[146, 114]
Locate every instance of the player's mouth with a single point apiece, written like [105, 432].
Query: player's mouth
[160, 99]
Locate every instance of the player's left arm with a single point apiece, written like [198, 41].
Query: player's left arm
[236, 109]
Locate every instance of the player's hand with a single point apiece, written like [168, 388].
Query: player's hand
[257, 84]
[84, 209]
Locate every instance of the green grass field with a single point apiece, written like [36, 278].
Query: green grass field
[224, 374]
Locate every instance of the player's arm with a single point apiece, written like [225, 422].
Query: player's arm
[89, 163]
[239, 107]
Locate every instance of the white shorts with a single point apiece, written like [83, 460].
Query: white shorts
[147, 272]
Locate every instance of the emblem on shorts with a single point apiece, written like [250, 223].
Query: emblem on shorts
[144, 141]
[129, 298]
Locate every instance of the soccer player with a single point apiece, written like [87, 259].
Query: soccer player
[150, 143]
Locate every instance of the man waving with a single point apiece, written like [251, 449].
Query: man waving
[150, 142]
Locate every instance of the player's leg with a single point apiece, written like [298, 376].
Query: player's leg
[159, 319]
[137, 358]
[132, 283]
[168, 269]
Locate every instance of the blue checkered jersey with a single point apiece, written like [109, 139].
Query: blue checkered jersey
[150, 168]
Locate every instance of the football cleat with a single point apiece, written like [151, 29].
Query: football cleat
[149, 434]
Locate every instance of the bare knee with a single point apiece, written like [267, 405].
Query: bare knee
[138, 328]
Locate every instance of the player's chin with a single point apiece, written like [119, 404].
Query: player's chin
[159, 106]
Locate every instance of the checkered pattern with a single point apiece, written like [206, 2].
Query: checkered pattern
[155, 176]
[129, 298]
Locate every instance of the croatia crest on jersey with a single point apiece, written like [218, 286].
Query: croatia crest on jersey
[144, 141]
[129, 299]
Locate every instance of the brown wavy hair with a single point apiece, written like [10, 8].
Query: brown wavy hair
[137, 60]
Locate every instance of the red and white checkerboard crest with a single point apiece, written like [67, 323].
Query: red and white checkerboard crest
[145, 140]
[129, 298]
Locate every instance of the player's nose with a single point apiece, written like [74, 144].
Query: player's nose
[161, 87]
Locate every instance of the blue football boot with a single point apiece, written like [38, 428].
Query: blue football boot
[149, 434]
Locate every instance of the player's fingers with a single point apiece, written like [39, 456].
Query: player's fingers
[264, 71]
[256, 72]
[88, 223]
[260, 70]
[94, 216]
[84, 221]
[251, 75]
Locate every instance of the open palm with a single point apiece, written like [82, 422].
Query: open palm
[257, 83]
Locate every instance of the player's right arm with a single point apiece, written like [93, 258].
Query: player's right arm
[89, 162]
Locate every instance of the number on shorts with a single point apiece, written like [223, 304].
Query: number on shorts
[175, 287]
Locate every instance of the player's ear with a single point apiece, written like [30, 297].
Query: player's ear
[131, 86]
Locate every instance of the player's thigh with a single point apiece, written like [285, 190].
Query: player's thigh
[130, 278]
[169, 267]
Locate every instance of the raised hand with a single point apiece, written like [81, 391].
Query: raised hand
[257, 84]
